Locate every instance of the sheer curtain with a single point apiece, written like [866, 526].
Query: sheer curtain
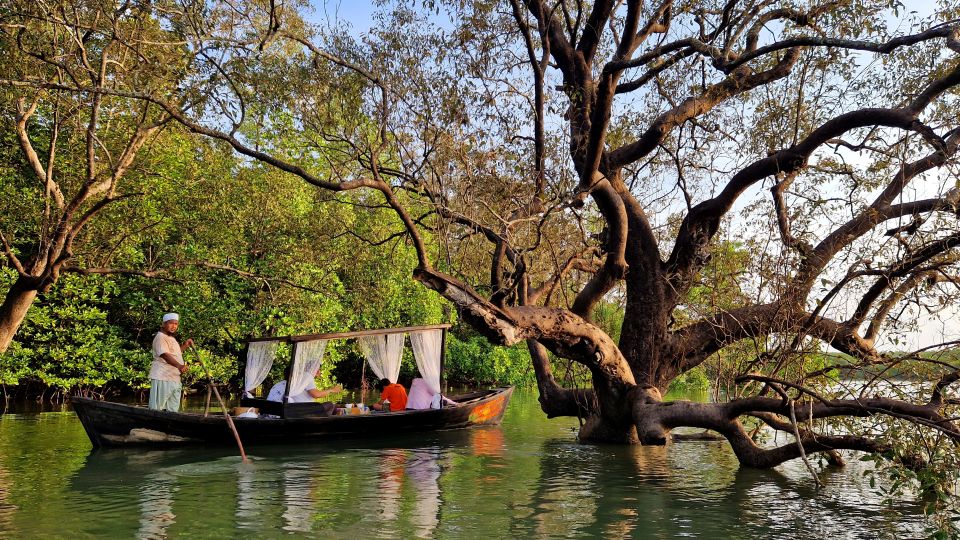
[383, 354]
[260, 356]
[426, 350]
[306, 361]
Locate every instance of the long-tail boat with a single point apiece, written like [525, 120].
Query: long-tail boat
[285, 421]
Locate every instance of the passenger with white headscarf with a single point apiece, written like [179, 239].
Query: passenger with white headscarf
[168, 365]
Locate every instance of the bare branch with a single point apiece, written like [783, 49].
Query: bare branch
[11, 256]
[24, 112]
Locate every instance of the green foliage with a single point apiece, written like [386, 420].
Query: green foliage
[609, 317]
[67, 341]
[935, 481]
[694, 380]
[474, 360]
[264, 232]
[227, 238]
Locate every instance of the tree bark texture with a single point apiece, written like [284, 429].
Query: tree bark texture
[14, 309]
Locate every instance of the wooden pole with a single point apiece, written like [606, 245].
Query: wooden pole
[206, 407]
[352, 334]
[363, 381]
[288, 373]
[223, 407]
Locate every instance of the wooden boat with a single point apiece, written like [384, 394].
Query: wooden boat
[284, 419]
[116, 424]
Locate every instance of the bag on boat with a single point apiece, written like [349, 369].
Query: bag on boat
[245, 412]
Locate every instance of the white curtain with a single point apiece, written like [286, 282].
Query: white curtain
[260, 356]
[426, 346]
[306, 361]
[383, 354]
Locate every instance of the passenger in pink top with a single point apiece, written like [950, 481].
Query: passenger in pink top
[421, 397]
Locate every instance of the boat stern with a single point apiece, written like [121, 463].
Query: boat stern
[491, 411]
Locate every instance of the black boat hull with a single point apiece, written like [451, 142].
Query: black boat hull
[115, 424]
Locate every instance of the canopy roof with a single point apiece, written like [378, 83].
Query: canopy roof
[353, 334]
[382, 348]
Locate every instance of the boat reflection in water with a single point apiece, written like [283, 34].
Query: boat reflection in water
[423, 472]
[390, 483]
[156, 505]
[522, 479]
[487, 442]
[298, 489]
[299, 504]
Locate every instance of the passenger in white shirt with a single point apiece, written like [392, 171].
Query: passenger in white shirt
[310, 393]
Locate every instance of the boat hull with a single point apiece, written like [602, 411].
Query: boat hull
[115, 424]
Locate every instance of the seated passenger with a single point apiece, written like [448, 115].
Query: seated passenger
[395, 393]
[309, 394]
[421, 397]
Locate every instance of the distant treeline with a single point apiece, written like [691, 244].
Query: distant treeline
[907, 366]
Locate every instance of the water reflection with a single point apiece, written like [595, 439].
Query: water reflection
[526, 478]
[7, 510]
[697, 489]
[785, 499]
[390, 483]
[487, 442]
[299, 504]
[411, 475]
[453, 485]
[252, 501]
[424, 472]
[156, 505]
[300, 492]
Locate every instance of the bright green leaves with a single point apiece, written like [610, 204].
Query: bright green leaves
[68, 341]
[475, 360]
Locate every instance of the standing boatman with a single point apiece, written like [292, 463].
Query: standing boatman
[168, 365]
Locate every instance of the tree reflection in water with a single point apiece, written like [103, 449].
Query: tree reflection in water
[7, 510]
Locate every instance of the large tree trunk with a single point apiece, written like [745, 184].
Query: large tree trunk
[556, 400]
[14, 309]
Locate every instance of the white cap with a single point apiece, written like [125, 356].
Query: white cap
[171, 317]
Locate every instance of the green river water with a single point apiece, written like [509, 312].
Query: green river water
[526, 478]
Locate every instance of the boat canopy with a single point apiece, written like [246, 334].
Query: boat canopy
[382, 349]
